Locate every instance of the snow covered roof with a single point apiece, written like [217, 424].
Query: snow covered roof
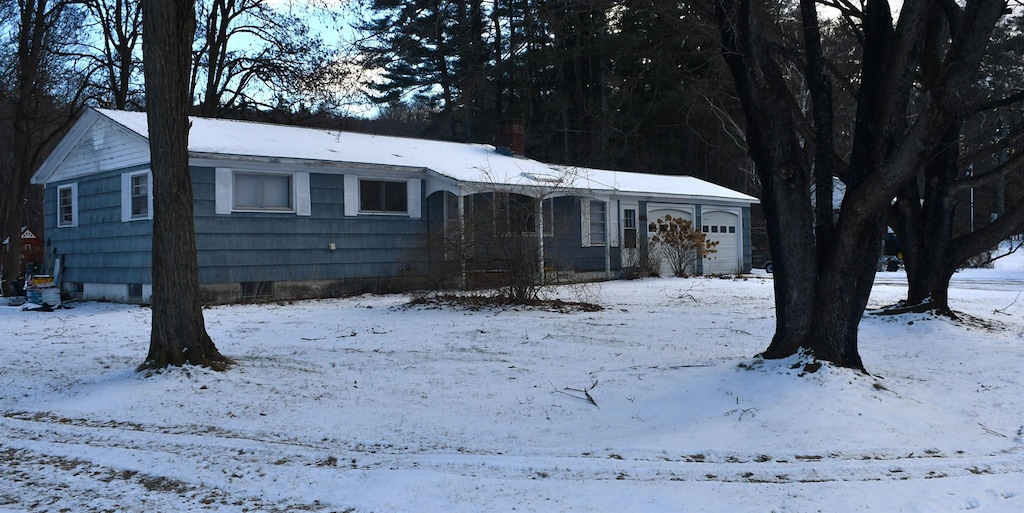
[461, 162]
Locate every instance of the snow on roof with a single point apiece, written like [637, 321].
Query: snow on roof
[463, 162]
[644, 183]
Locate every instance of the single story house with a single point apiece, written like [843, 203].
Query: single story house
[288, 212]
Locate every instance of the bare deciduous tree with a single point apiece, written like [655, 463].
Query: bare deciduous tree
[824, 264]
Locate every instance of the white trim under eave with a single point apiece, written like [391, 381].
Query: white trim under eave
[67, 143]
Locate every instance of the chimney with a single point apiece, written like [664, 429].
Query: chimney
[510, 137]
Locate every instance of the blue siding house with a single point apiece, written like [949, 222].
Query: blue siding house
[289, 212]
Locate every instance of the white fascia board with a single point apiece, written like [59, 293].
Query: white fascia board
[47, 171]
[435, 182]
[199, 159]
[64, 147]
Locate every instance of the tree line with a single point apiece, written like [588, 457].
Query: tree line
[913, 112]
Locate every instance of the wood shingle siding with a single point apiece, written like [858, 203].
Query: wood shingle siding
[256, 246]
[318, 241]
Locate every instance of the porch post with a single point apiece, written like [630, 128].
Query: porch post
[539, 214]
[608, 236]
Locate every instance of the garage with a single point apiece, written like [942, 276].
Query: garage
[723, 227]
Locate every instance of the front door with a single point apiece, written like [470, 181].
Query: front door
[630, 239]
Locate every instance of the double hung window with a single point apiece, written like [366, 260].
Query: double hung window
[67, 205]
[136, 196]
[629, 228]
[598, 223]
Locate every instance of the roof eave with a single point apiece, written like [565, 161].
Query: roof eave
[203, 157]
[78, 130]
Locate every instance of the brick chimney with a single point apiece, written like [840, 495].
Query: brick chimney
[510, 137]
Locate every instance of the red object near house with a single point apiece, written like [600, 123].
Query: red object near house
[32, 251]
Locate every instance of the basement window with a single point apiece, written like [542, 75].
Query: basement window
[257, 289]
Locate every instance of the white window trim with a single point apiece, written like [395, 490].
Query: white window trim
[612, 213]
[585, 212]
[635, 208]
[126, 195]
[74, 205]
[414, 188]
[225, 192]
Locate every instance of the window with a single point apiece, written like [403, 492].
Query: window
[263, 191]
[378, 196]
[136, 196]
[255, 191]
[383, 196]
[135, 292]
[629, 228]
[256, 289]
[140, 196]
[598, 223]
[67, 205]
[517, 214]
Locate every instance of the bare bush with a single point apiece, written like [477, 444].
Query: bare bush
[680, 244]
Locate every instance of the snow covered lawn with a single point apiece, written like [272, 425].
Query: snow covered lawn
[655, 404]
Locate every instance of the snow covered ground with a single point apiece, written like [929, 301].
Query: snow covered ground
[655, 404]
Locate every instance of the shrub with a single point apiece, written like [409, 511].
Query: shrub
[679, 243]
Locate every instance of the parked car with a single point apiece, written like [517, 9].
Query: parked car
[890, 260]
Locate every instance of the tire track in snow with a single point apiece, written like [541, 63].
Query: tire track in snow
[209, 454]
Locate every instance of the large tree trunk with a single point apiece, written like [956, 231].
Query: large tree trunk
[823, 277]
[179, 333]
[925, 214]
[932, 254]
[925, 228]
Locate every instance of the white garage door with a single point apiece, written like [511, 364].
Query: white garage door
[661, 213]
[723, 227]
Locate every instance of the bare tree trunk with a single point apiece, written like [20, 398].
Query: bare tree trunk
[823, 279]
[31, 50]
[179, 333]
